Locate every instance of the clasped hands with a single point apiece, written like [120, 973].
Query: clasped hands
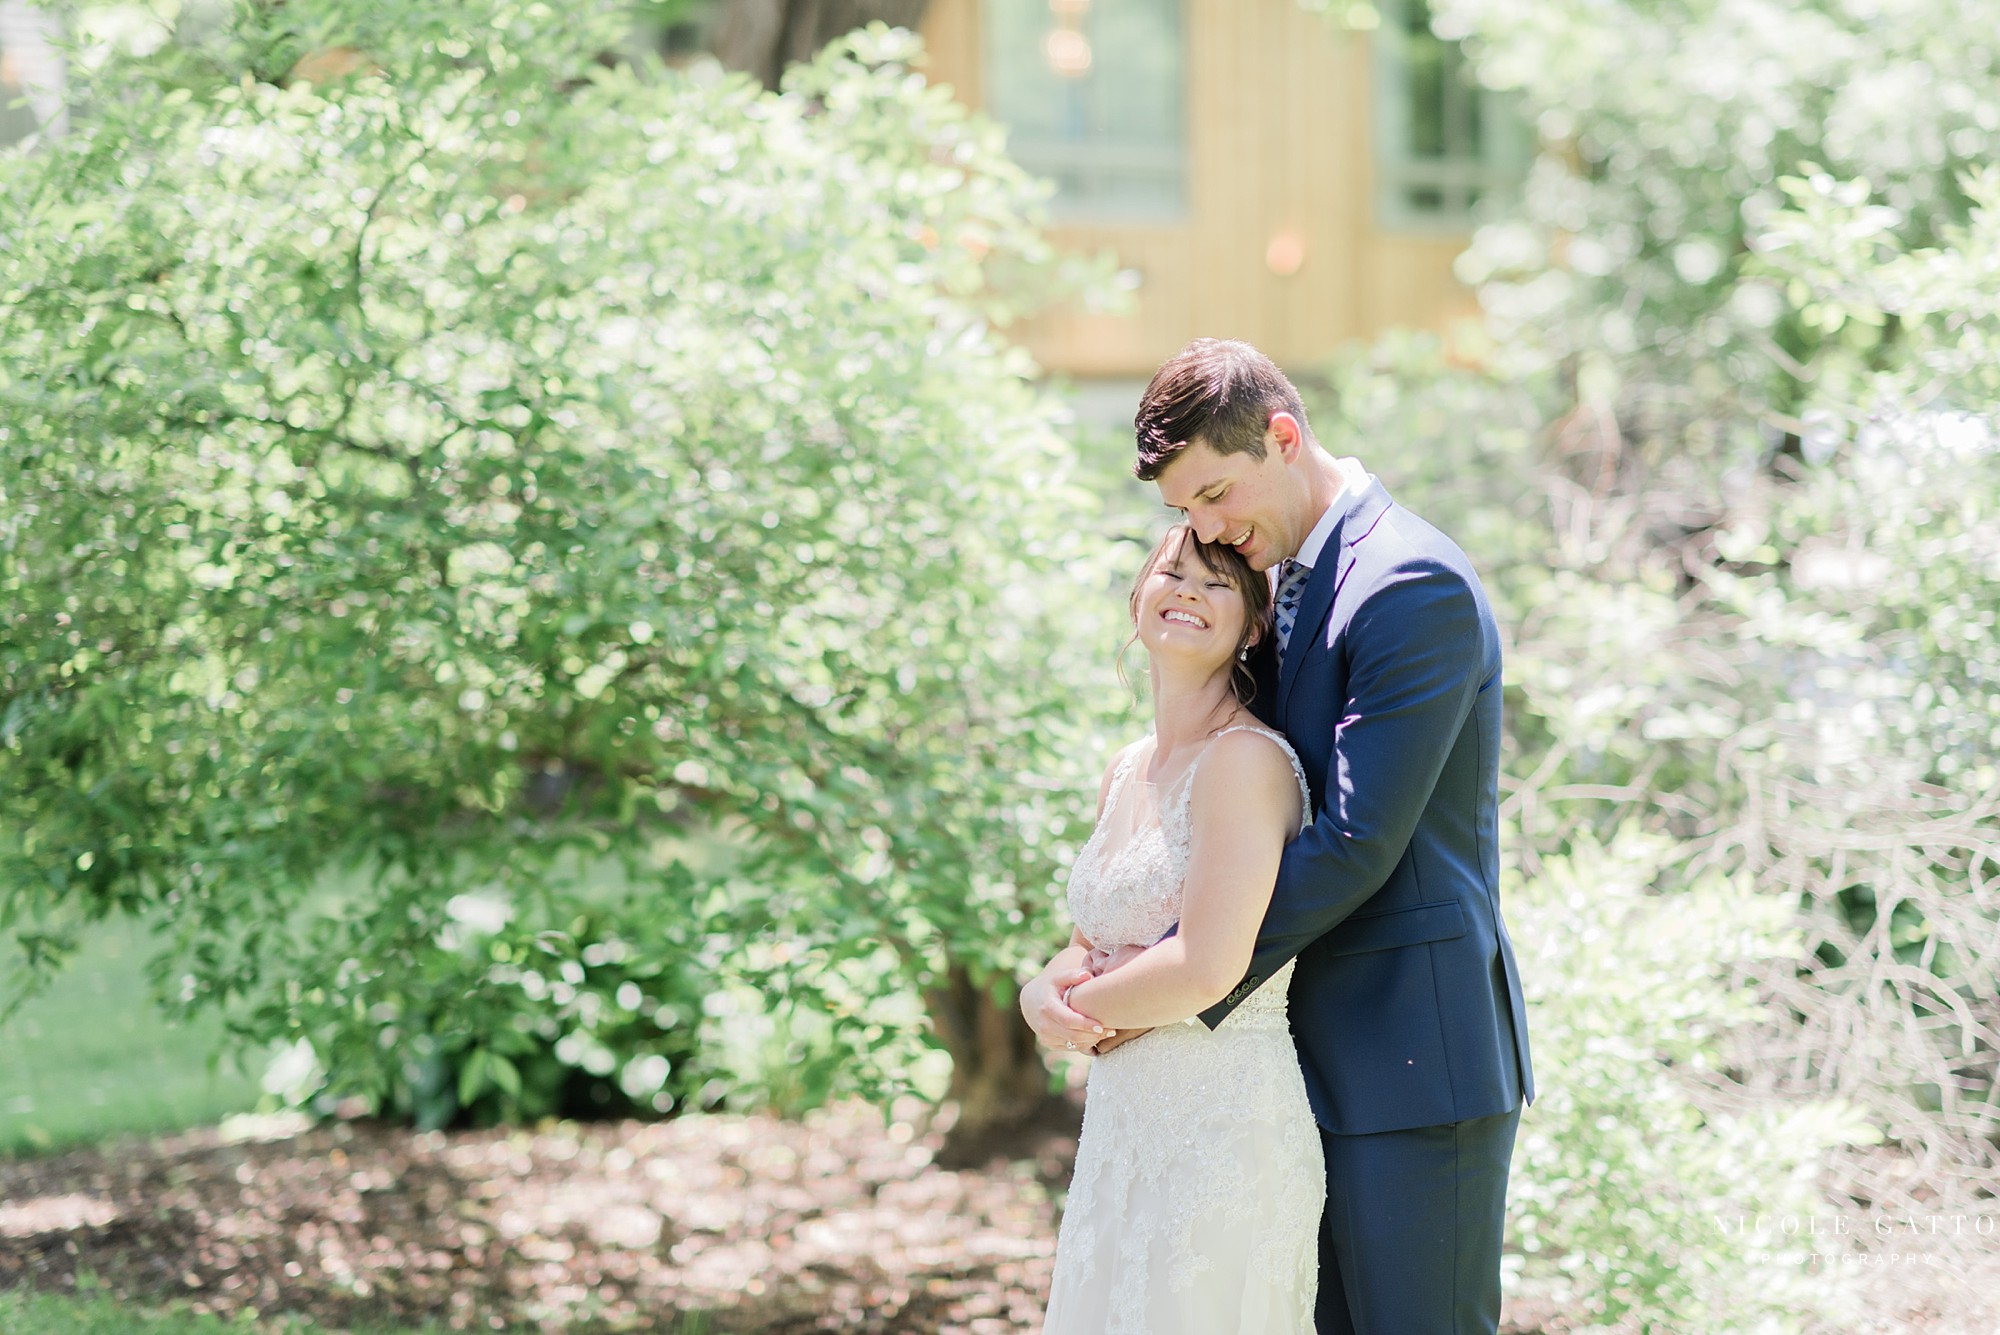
[1045, 1000]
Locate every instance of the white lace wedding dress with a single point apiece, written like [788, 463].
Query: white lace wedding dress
[1195, 1205]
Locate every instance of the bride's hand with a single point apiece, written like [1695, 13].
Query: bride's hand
[1045, 1006]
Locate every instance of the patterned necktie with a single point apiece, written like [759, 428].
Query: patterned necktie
[1291, 588]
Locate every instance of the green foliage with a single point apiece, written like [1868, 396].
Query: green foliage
[1768, 329]
[1637, 1159]
[480, 1014]
[489, 460]
[25, 1312]
[1669, 128]
[1844, 257]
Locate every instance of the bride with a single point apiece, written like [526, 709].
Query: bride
[1195, 1204]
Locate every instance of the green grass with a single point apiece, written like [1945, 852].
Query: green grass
[93, 1057]
[23, 1312]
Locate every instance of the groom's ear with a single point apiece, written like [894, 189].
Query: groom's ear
[1284, 436]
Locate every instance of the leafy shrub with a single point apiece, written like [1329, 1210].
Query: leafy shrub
[448, 457]
[484, 1014]
[1635, 1164]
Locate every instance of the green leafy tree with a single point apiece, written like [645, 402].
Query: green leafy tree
[442, 459]
[1668, 130]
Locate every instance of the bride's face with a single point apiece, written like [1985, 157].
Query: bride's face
[1187, 612]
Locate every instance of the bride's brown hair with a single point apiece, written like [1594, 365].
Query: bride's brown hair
[1258, 623]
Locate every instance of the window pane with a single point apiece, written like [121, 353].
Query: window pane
[31, 71]
[1093, 94]
[1425, 56]
[1442, 142]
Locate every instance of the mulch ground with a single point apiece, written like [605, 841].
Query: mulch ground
[839, 1222]
[842, 1222]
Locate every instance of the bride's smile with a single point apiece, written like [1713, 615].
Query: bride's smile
[1188, 613]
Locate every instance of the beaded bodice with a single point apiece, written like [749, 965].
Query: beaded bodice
[1126, 886]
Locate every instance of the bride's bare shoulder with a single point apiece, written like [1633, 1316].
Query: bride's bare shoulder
[1253, 748]
[1246, 769]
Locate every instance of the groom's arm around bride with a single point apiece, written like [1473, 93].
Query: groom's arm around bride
[1405, 1004]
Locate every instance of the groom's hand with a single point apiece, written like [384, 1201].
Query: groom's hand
[1118, 1038]
[1054, 1023]
[1100, 962]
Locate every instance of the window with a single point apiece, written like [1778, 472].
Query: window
[1094, 96]
[1442, 143]
[31, 72]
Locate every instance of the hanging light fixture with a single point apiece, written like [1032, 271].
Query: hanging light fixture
[1066, 48]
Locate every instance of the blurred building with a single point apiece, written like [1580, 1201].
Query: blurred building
[1260, 171]
[31, 72]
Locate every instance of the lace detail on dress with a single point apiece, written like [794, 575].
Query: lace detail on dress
[1195, 1204]
[1131, 895]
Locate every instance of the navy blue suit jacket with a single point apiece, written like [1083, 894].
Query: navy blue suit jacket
[1406, 1004]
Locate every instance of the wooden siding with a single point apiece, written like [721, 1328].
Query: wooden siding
[1278, 142]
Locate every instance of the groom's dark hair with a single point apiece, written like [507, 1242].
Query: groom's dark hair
[1216, 390]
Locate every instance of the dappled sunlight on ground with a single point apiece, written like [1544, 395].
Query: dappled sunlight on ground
[839, 1222]
[42, 1215]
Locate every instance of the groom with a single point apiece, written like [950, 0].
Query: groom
[1406, 1004]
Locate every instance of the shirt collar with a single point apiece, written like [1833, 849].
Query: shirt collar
[1354, 479]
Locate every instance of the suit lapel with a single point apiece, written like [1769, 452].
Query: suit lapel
[1364, 511]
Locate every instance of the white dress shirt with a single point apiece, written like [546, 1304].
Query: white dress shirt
[1353, 479]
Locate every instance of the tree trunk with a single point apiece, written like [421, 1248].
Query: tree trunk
[998, 1078]
[761, 37]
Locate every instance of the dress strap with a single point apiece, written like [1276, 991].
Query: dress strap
[1272, 733]
[1118, 777]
